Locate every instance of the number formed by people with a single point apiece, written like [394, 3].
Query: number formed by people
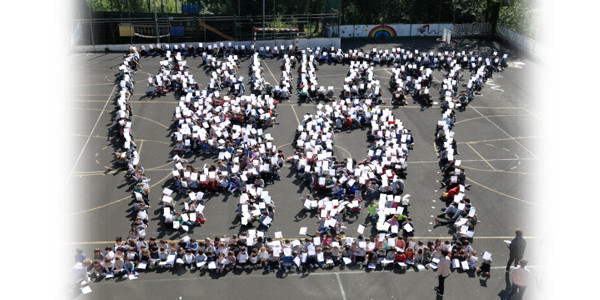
[339, 187]
[220, 121]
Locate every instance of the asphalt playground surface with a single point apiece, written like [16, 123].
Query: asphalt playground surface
[495, 139]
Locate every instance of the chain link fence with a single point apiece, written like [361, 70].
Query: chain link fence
[110, 22]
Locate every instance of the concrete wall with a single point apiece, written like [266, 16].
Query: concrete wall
[520, 41]
[390, 30]
[471, 29]
[302, 44]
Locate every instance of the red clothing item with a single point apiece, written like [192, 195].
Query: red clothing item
[400, 244]
[348, 122]
[453, 192]
[400, 258]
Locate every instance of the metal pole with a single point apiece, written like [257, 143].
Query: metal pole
[92, 25]
[131, 34]
[156, 24]
[121, 10]
[453, 12]
[263, 24]
[308, 19]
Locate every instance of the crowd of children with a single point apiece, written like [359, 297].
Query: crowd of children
[220, 120]
[253, 249]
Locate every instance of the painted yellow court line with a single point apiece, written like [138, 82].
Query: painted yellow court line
[92, 95]
[92, 84]
[310, 104]
[344, 149]
[105, 137]
[498, 171]
[539, 118]
[130, 101]
[140, 149]
[275, 78]
[116, 201]
[295, 114]
[269, 69]
[99, 173]
[349, 154]
[281, 146]
[498, 140]
[405, 106]
[506, 133]
[480, 156]
[137, 117]
[492, 116]
[503, 194]
[92, 131]
[416, 237]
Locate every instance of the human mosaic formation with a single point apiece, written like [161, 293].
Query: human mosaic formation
[459, 211]
[219, 120]
[252, 250]
[342, 183]
[127, 156]
[229, 126]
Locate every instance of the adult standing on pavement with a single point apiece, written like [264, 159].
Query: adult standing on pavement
[78, 274]
[443, 271]
[517, 249]
[519, 278]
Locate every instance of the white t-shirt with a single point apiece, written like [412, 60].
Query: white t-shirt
[78, 273]
[520, 276]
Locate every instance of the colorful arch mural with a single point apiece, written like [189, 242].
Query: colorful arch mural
[382, 31]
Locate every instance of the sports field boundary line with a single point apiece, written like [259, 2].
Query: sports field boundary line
[303, 237]
[91, 132]
[289, 274]
[508, 135]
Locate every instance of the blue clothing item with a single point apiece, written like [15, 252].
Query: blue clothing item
[80, 257]
[351, 190]
[287, 259]
[128, 267]
[261, 219]
[323, 229]
[192, 246]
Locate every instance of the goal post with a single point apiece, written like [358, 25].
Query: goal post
[257, 29]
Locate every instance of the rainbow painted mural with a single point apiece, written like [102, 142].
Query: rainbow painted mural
[382, 31]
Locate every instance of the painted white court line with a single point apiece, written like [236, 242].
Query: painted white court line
[91, 132]
[408, 162]
[508, 135]
[294, 274]
[341, 286]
